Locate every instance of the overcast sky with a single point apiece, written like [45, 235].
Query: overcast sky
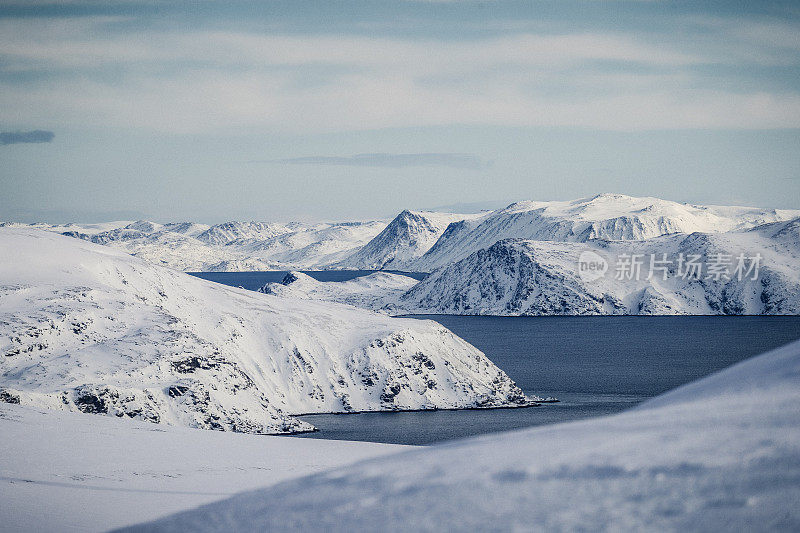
[274, 110]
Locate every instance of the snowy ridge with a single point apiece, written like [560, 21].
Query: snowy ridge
[88, 328]
[406, 238]
[521, 277]
[605, 216]
[374, 291]
[231, 246]
[721, 453]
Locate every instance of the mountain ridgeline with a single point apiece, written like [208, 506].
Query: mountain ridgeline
[520, 260]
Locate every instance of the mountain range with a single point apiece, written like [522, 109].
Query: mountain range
[522, 259]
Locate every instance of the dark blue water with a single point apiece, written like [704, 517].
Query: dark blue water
[595, 365]
[256, 280]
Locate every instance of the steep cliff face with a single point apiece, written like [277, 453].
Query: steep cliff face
[87, 328]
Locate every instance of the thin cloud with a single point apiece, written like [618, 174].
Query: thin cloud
[453, 160]
[17, 137]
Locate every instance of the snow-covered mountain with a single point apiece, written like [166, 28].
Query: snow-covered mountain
[88, 328]
[606, 216]
[231, 246]
[406, 238]
[374, 291]
[228, 232]
[718, 454]
[524, 277]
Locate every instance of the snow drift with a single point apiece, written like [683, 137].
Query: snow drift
[78, 473]
[719, 454]
[88, 328]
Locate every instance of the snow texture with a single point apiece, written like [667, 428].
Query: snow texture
[88, 328]
[72, 472]
[719, 454]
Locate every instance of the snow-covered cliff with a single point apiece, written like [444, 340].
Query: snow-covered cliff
[88, 328]
[605, 216]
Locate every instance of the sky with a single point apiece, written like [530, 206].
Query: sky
[211, 111]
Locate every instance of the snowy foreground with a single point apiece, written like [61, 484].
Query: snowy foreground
[719, 454]
[73, 472]
[87, 328]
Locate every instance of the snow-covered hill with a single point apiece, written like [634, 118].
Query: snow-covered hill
[719, 454]
[406, 238]
[606, 216]
[231, 246]
[522, 277]
[88, 328]
[72, 472]
[374, 291]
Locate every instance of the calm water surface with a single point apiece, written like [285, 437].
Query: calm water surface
[256, 280]
[595, 365]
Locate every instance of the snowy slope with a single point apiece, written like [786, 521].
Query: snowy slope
[374, 291]
[520, 277]
[87, 328]
[231, 246]
[720, 454]
[406, 238]
[73, 472]
[606, 216]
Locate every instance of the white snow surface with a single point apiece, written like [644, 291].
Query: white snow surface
[719, 454]
[405, 239]
[605, 216]
[227, 247]
[87, 328]
[73, 472]
[375, 291]
[523, 277]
